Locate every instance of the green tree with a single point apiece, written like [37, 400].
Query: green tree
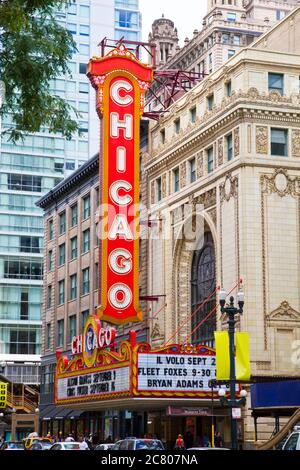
[34, 49]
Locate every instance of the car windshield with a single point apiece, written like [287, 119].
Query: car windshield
[71, 446]
[15, 445]
[149, 444]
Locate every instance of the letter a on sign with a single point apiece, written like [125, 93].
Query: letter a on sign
[121, 81]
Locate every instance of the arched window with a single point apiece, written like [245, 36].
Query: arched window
[203, 286]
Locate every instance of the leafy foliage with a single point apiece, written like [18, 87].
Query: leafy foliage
[34, 50]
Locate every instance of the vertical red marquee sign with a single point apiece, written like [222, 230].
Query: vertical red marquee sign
[121, 82]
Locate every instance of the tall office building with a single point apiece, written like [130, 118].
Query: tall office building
[31, 168]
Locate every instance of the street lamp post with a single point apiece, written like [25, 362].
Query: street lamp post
[231, 310]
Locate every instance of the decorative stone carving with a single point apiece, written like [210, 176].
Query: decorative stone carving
[284, 313]
[236, 142]
[253, 93]
[164, 185]
[208, 199]
[262, 139]
[156, 333]
[274, 96]
[200, 165]
[295, 143]
[280, 183]
[182, 173]
[229, 188]
[220, 151]
[152, 190]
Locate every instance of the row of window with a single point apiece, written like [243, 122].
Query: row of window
[60, 329]
[73, 287]
[73, 221]
[86, 245]
[278, 147]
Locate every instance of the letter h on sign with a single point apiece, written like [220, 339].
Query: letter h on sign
[121, 81]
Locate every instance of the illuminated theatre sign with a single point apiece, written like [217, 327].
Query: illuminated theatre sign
[121, 82]
[135, 371]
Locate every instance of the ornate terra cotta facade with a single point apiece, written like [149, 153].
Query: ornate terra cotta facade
[239, 163]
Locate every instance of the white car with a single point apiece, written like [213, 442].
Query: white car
[104, 446]
[67, 446]
[206, 448]
[293, 441]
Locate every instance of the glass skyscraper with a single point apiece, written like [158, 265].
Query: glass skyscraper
[32, 167]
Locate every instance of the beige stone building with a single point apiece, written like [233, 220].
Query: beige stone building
[232, 145]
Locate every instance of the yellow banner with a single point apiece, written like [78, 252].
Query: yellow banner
[3, 395]
[222, 355]
[242, 360]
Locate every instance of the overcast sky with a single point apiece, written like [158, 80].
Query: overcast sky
[187, 15]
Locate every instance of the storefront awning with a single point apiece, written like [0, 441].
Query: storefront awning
[59, 412]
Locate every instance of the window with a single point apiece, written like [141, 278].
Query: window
[276, 82]
[24, 304]
[83, 88]
[84, 30]
[292, 442]
[279, 139]
[192, 167]
[72, 327]
[231, 16]
[193, 114]
[210, 62]
[62, 254]
[50, 260]
[96, 234]
[84, 49]
[74, 215]
[96, 275]
[73, 248]
[22, 268]
[61, 292]
[163, 136]
[86, 241]
[82, 68]
[60, 333]
[177, 126]
[23, 341]
[84, 11]
[237, 40]
[62, 223]
[210, 102]
[176, 179]
[126, 19]
[48, 334]
[210, 160]
[73, 287]
[59, 166]
[50, 229]
[86, 207]
[85, 281]
[49, 296]
[20, 182]
[84, 317]
[30, 244]
[280, 14]
[70, 165]
[229, 147]
[72, 28]
[225, 38]
[228, 89]
[231, 53]
[158, 189]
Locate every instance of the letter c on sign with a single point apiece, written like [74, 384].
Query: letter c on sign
[116, 197]
[115, 92]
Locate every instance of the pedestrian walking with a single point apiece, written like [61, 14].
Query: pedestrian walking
[179, 443]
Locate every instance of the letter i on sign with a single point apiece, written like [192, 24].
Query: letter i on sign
[120, 80]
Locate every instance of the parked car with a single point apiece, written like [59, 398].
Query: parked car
[40, 445]
[104, 446]
[67, 446]
[138, 444]
[293, 440]
[12, 445]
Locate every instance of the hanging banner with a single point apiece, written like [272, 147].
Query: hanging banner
[242, 361]
[222, 355]
[121, 82]
[3, 395]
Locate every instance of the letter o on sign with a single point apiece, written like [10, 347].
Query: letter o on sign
[120, 296]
